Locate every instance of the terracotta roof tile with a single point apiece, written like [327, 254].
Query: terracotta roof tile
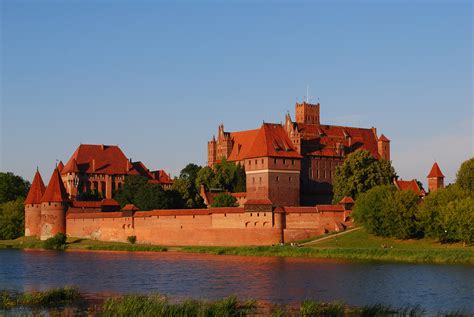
[384, 138]
[36, 191]
[55, 192]
[322, 208]
[130, 207]
[408, 185]
[435, 171]
[347, 200]
[109, 202]
[60, 166]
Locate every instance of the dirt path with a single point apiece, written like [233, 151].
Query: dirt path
[306, 244]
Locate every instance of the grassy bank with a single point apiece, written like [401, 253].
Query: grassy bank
[69, 301]
[354, 245]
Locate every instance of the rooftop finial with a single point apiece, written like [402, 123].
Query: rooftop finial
[307, 94]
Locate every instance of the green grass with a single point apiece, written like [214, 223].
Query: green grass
[356, 245]
[58, 302]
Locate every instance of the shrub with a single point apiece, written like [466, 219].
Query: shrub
[58, 242]
[388, 212]
[465, 176]
[52, 297]
[132, 239]
[314, 308]
[224, 200]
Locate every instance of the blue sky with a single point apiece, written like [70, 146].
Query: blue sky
[157, 77]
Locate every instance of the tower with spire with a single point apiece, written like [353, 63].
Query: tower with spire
[33, 206]
[435, 178]
[54, 205]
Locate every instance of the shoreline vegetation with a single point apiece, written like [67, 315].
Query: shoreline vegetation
[71, 302]
[355, 245]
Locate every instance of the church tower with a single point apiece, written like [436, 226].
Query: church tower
[435, 178]
[33, 206]
[307, 113]
[54, 205]
[383, 145]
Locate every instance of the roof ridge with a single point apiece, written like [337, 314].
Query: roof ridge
[36, 191]
[55, 192]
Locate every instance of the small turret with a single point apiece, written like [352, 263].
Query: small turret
[33, 206]
[54, 205]
[383, 144]
[435, 178]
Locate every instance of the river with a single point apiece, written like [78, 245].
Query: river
[276, 280]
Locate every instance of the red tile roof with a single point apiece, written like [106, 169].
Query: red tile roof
[36, 191]
[435, 171]
[60, 166]
[384, 138]
[269, 140]
[322, 208]
[86, 204]
[161, 177]
[55, 192]
[258, 202]
[322, 140]
[130, 207]
[408, 185]
[109, 202]
[347, 200]
[99, 159]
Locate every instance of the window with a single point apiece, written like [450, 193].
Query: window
[292, 162]
[277, 178]
[256, 162]
[310, 173]
[284, 161]
[262, 161]
[253, 180]
[274, 161]
[289, 179]
[250, 162]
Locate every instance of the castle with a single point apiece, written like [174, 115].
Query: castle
[285, 165]
[294, 164]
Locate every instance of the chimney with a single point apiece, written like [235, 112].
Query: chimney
[93, 165]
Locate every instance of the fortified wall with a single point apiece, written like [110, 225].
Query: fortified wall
[258, 224]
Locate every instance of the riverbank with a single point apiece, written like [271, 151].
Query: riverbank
[356, 245]
[70, 301]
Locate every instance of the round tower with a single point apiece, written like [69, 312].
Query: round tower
[54, 205]
[33, 207]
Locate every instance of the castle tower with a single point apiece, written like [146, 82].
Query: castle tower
[307, 113]
[54, 205]
[33, 206]
[383, 144]
[211, 152]
[435, 178]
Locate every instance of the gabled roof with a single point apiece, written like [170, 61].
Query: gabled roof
[55, 192]
[408, 185]
[323, 140]
[272, 140]
[71, 167]
[60, 166]
[36, 191]
[161, 177]
[130, 207]
[99, 159]
[384, 138]
[242, 142]
[435, 171]
[347, 200]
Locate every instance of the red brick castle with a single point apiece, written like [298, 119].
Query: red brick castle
[294, 163]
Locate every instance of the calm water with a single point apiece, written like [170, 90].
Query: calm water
[277, 280]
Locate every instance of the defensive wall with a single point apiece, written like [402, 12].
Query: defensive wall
[236, 226]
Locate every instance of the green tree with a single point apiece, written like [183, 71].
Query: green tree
[206, 177]
[432, 216]
[12, 219]
[359, 173]
[224, 200]
[388, 212]
[224, 175]
[12, 187]
[132, 185]
[190, 171]
[186, 188]
[465, 176]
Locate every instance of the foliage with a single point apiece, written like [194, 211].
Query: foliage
[224, 200]
[189, 194]
[224, 175]
[314, 308]
[57, 242]
[465, 176]
[52, 297]
[12, 187]
[439, 214]
[136, 190]
[132, 239]
[359, 173]
[388, 212]
[90, 195]
[12, 219]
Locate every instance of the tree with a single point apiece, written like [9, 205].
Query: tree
[12, 219]
[388, 212]
[132, 185]
[465, 176]
[206, 177]
[359, 173]
[12, 187]
[190, 171]
[224, 200]
[224, 175]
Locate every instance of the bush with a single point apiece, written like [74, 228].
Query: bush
[388, 212]
[465, 176]
[224, 200]
[12, 217]
[58, 242]
[132, 239]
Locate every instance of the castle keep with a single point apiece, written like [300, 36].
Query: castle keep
[297, 159]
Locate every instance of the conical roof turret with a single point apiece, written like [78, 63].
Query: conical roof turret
[60, 166]
[55, 192]
[435, 171]
[36, 191]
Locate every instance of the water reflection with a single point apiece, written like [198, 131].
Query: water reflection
[277, 280]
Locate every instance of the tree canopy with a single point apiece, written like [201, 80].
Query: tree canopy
[12, 186]
[465, 175]
[224, 200]
[12, 219]
[359, 173]
[224, 175]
